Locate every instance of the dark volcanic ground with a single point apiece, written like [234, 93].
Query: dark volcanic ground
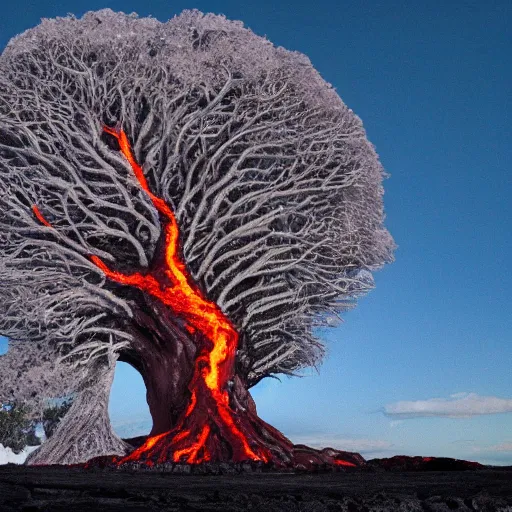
[396, 484]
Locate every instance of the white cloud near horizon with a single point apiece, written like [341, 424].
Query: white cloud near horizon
[138, 425]
[459, 405]
[503, 447]
[135, 419]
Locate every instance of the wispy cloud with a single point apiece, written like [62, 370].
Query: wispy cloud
[459, 405]
[132, 427]
[348, 445]
[503, 447]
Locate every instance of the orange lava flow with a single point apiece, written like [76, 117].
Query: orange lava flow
[344, 463]
[40, 217]
[150, 442]
[185, 299]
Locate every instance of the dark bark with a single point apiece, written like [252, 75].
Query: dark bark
[164, 354]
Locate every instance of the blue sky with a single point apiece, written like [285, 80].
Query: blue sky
[422, 365]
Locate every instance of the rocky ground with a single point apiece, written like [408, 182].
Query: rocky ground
[397, 484]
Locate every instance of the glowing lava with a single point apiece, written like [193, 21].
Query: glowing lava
[214, 367]
[344, 463]
[217, 425]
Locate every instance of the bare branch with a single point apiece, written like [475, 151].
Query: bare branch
[275, 187]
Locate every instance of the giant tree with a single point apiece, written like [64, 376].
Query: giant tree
[190, 199]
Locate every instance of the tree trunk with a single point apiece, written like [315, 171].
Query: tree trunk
[193, 423]
[85, 431]
[207, 435]
[163, 353]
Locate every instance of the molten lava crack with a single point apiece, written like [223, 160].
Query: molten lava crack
[215, 365]
[211, 428]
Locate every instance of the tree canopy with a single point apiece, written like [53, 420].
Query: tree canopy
[276, 190]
